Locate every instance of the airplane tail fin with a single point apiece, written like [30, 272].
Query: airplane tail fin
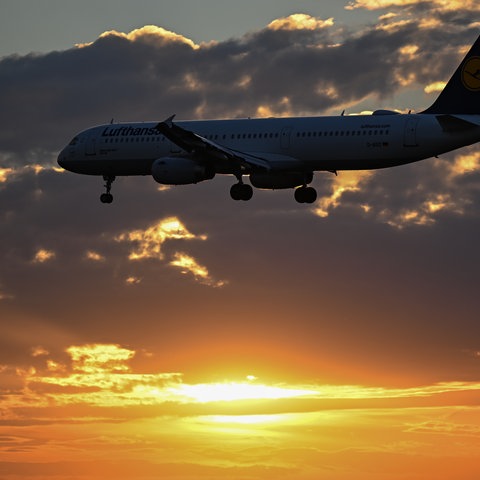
[461, 95]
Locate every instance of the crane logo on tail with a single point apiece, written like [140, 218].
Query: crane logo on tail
[471, 74]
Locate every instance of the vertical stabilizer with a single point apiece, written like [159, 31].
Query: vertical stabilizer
[461, 95]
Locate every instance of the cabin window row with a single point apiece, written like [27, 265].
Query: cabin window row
[343, 133]
[243, 136]
[134, 139]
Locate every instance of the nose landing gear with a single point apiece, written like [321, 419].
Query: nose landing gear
[107, 197]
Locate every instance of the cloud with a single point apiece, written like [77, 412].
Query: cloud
[149, 34]
[150, 246]
[43, 256]
[447, 5]
[94, 256]
[121, 73]
[188, 264]
[300, 21]
[150, 241]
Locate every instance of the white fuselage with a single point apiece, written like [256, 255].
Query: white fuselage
[290, 144]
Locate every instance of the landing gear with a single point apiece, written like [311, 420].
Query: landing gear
[305, 194]
[241, 191]
[107, 197]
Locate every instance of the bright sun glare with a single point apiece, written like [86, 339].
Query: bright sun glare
[231, 391]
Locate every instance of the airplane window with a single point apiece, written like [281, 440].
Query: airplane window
[249, 135]
[347, 133]
[342, 133]
[74, 141]
[331, 134]
[276, 135]
[336, 134]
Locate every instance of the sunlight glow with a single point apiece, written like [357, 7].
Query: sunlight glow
[229, 391]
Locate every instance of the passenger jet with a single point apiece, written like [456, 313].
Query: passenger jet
[276, 153]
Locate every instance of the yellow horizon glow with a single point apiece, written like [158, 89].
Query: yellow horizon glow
[95, 410]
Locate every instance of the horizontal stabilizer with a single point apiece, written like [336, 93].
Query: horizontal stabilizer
[455, 123]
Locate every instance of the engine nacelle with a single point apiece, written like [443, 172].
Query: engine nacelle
[278, 180]
[180, 171]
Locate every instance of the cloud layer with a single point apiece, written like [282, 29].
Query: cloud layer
[60, 248]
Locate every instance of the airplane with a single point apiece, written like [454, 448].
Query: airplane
[281, 153]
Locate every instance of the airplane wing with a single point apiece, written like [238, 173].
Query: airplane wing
[196, 144]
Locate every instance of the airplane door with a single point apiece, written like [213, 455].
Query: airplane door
[285, 138]
[410, 134]
[90, 146]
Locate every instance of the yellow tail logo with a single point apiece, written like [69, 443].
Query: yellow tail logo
[471, 74]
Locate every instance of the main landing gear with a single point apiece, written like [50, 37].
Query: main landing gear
[241, 191]
[305, 194]
[107, 197]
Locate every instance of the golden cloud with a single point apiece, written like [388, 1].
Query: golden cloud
[150, 241]
[447, 5]
[464, 164]
[100, 375]
[189, 265]
[434, 87]
[148, 33]
[43, 256]
[348, 181]
[94, 256]
[5, 173]
[300, 21]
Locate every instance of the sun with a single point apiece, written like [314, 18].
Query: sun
[236, 391]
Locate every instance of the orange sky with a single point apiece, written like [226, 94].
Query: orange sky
[96, 417]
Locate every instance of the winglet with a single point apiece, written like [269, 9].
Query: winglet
[168, 123]
[169, 120]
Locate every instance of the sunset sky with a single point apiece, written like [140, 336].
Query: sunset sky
[178, 334]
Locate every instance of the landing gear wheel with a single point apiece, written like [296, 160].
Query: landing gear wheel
[305, 195]
[106, 198]
[241, 191]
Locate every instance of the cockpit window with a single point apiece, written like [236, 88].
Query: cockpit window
[73, 142]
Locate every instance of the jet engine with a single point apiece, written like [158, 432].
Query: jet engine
[278, 180]
[180, 171]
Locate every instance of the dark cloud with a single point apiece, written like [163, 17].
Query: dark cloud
[152, 73]
[385, 278]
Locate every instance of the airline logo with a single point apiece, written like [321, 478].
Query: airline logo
[471, 74]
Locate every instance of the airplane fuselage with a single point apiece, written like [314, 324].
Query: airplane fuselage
[281, 152]
[290, 144]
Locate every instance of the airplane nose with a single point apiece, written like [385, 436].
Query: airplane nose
[61, 160]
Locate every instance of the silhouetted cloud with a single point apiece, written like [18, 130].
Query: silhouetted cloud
[389, 257]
